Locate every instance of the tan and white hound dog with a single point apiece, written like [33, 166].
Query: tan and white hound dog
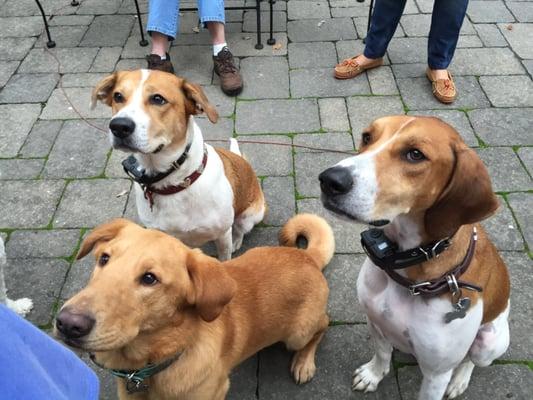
[209, 194]
[415, 177]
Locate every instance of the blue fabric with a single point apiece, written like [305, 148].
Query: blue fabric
[163, 15]
[446, 21]
[35, 366]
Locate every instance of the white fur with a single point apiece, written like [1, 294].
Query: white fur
[21, 306]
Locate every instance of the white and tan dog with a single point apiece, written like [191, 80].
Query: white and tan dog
[415, 177]
[185, 187]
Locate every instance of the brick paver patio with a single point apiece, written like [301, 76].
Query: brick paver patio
[59, 178]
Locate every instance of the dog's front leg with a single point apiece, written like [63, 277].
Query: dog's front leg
[367, 377]
[224, 246]
[434, 384]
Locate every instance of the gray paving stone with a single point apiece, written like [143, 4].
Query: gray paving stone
[13, 8]
[347, 234]
[132, 49]
[279, 21]
[519, 38]
[455, 118]
[521, 206]
[87, 203]
[508, 91]
[259, 237]
[324, 84]
[194, 63]
[358, 10]
[99, 7]
[526, 155]
[14, 49]
[333, 116]
[308, 9]
[20, 169]
[505, 169]
[417, 94]
[106, 59]
[489, 11]
[243, 380]
[63, 36]
[363, 110]
[131, 211]
[504, 381]
[29, 88]
[243, 45]
[85, 79]
[408, 50]
[343, 349]
[78, 276]
[312, 55]
[130, 64]
[114, 168]
[58, 106]
[268, 159]
[414, 70]
[7, 68]
[20, 26]
[70, 157]
[509, 126]
[39, 279]
[71, 60]
[213, 133]
[265, 77]
[307, 168]
[277, 116]
[425, 6]
[528, 64]
[314, 30]
[490, 35]
[279, 195]
[40, 139]
[17, 120]
[43, 244]
[28, 204]
[350, 48]
[523, 11]
[485, 61]
[71, 20]
[128, 7]
[382, 81]
[503, 231]
[108, 31]
[468, 41]
[330, 140]
[416, 24]
[361, 25]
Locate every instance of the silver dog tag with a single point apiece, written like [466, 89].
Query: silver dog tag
[135, 386]
[460, 309]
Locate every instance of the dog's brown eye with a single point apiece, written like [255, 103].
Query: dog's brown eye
[415, 155]
[104, 258]
[365, 138]
[148, 279]
[118, 97]
[158, 100]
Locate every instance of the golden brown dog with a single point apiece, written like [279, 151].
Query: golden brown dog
[152, 299]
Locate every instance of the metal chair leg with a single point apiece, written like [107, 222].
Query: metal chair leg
[369, 19]
[258, 45]
[271, 41]
[50, 42]
[74, 3]
[143, 42]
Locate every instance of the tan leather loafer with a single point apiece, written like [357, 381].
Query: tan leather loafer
[443, 89]
[349, 68]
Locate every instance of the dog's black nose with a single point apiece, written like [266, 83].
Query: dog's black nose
[122, 127]
[335, 180]
[73, 326]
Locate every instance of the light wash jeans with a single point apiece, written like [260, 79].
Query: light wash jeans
[163, 15]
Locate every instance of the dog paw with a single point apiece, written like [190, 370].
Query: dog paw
[459, 381]
[237, 243]
[303, 368]
[21, 306]
[367, 377]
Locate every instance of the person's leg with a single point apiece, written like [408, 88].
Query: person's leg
[162, 26]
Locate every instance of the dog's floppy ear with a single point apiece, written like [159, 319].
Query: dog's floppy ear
[194, 93]
[467, 198]
[101, 233]
[103, 90]
[212, 287]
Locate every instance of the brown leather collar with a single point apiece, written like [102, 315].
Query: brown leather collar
[149, 191]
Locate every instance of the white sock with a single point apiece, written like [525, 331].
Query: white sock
[218, 47]
[164, 57]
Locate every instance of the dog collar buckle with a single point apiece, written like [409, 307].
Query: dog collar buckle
[135, 384]
[414, 288]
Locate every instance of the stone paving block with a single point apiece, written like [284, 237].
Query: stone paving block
[92, 7]
[43, 244]
[279, 19]
[64, 36]
[14, 49]
[358, 10]
[341, 351]
[503, 231]
[40, 139]
[526, 155]
[347, 234]
[130, 64]
[132, 49]
[308, 9]
[488, 11]
[382, 81]
[468, 41]
[314, 30]
[71, 60]
[361, 25]
[114, 168]
[324, 84]
[108, 31]
[17, 120]
[277, 116]
[28, 204]
[243, 380]
[330, 140]
[131, 209]
[333, 115]
[485, 61]
[505, 169]
[106, 59]
[265, 77]
[425, 6]
[7, 68]
[71, 20]
[519, 38]
[363, 110]
[20, 169]
[312, 55]
[194, 63]
[268, 159]
[279, 195]
[528, 64]
[490, 35]
[455, 118]
[86, 79]
[307, 168]
[78, 276]
[509, 126]
[408, 50]
[416, 24]
[87, 203]
[414, 70]
[21, 26]
[128, 7]
[523, 11]
[521, 205]
[14, 8]
[508, 91]
[58, 106]
[256, 238]
[39, 279]
[243, 45]
[29, 88]
[504, 381]
[70, 157]
[348, 48]
[417, 95]
[223, 129]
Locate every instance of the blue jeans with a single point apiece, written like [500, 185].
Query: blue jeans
[163, 15]
[446, 21]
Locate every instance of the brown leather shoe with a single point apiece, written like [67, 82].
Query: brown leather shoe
[230, 78]
[155, 62]
[349, 68]
[443, 89]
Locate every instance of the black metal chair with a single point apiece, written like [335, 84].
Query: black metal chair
[143, 42]
[369, 16]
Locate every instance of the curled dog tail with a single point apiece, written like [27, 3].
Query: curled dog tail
[234, 146]
[320, 240]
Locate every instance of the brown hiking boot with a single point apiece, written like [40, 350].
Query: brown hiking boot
[230, 78]
[155, 62]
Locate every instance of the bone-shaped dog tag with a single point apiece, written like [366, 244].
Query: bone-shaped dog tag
[135, 386]
[460, 309]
